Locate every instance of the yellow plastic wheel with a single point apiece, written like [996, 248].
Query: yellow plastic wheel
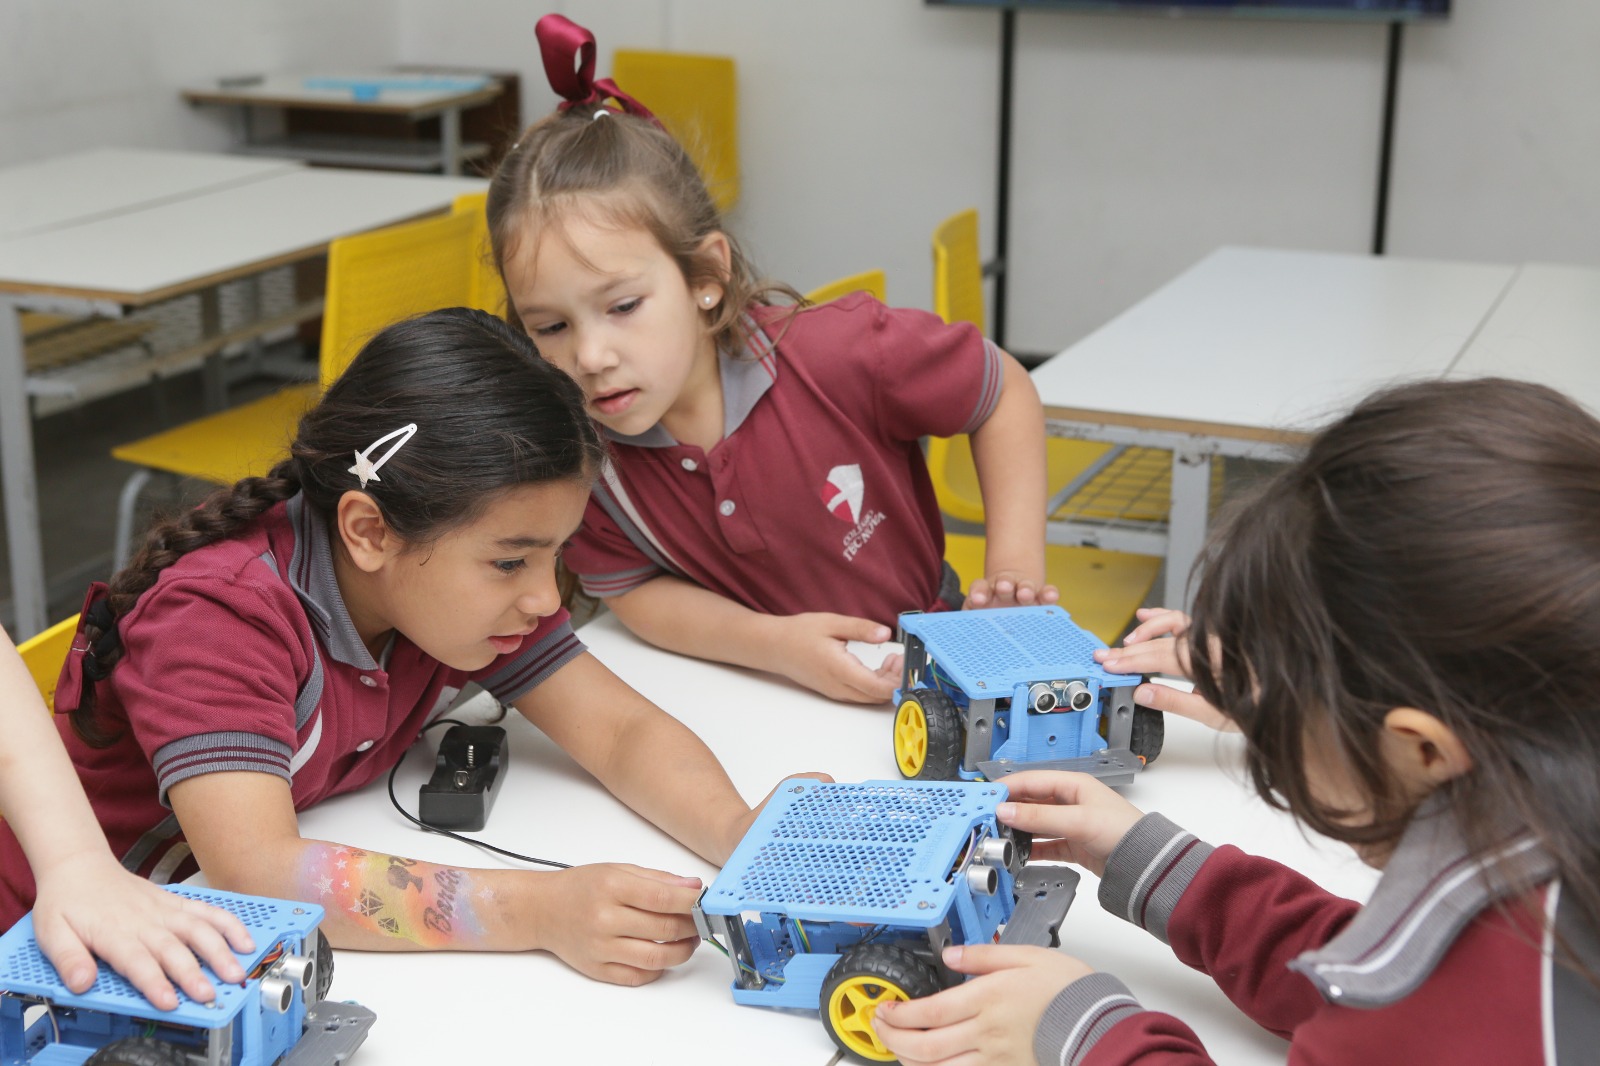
[866, 977]
[851, 1009]
[928, 736]
[910, 737]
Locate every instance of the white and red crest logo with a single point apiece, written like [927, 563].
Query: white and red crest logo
[844, 491]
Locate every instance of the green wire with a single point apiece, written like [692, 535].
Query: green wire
[744, 965]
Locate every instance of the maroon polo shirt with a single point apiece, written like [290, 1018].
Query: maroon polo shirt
[243, 657]
[817, 498]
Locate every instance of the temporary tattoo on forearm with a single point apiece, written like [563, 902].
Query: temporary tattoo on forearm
[431, 906]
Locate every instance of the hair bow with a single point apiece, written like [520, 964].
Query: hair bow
[568, 51]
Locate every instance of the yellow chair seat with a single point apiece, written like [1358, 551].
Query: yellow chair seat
[1100, 589]
[43, 655]
[240, 442]
[1136, 486]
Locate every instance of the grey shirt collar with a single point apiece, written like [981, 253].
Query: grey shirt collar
[745, 380]
[312, 578]
[1430, 889]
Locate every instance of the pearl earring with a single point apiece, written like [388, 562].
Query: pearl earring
[706, 299]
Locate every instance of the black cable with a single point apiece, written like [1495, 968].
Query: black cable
[418, 822]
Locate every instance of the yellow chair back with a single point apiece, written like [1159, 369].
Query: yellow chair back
[45, 653]
[957, 297]
[873, 282]
[488, 291]
[696, 99]
[958, 270]
[381, 277]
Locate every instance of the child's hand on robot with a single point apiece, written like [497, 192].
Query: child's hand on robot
[1072, 817]
[1009, 588]
[619, 923]
[89, 905]
[989, 1019]
[817, 655]
[1159, 645]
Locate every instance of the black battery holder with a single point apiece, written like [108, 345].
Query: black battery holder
[466, 777]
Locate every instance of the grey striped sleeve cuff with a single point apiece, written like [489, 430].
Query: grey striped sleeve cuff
[209, 753]
[1079, 1016]
[605, 586]
[1148, 871]
[537, 662]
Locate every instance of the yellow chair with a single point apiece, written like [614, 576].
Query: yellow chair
[873, 282]
[43, 655]
[488, 292]
[373, 279]
[696, 99]
[1100, 588]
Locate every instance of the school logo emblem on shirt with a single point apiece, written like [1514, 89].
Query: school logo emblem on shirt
[844, 491]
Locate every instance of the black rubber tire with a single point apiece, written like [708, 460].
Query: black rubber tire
[324, 957]
[893, 965]
[139, 1051]
[1149, 733]
[947, 735]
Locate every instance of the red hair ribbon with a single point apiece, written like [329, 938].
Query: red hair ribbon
[69, 687]
[568, 51]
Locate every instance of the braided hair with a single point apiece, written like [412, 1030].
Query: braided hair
[491, 415]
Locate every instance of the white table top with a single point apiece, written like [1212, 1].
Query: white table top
[763, 730]
[81, 186]
[1546, 329]
[153, 251]
[391, 90]
[1252, 342]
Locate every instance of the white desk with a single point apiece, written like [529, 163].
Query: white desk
[70, 189]
[1546, 329]
[534, 1006]
[182, 222]
[410, 95]
[1245, 354]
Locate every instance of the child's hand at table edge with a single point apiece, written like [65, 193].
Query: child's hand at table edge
[814, 652]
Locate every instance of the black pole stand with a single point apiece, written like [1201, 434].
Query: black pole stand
[1391, 92]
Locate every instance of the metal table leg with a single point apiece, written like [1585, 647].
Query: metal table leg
[21, 489]
[1186, 532]
[450, 139]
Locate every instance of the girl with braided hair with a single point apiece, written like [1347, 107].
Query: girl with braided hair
[287, 640]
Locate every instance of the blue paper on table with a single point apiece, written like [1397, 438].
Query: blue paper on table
[372, 88]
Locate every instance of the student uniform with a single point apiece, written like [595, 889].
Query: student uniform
[818, 497]
[243, 657]
[1436, 968]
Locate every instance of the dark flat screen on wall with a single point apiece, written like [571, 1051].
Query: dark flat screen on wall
[1375, 10]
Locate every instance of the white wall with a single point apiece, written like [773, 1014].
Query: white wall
[1141, 143]
[1499, 135]
[84, 73]
[1144, 143]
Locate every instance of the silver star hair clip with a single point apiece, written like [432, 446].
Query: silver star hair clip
[365, 468]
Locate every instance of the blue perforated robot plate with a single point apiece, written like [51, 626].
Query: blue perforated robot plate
[25, 970]
[991, 652]
[878, 851]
